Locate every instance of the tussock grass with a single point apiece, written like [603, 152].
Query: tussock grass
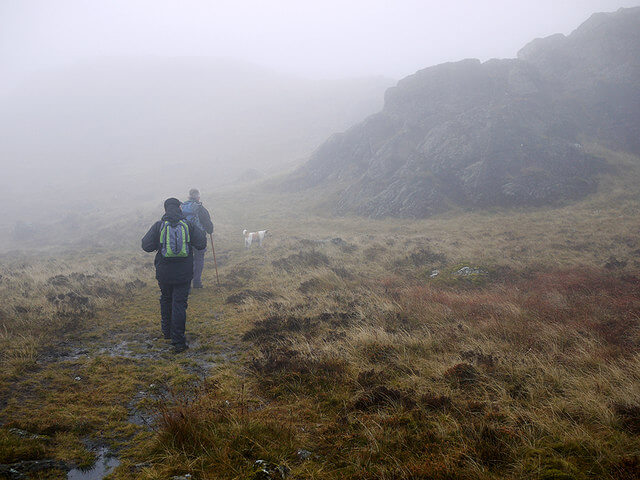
[529, 371]
[335, 339]
[43, 299]
[391, 374]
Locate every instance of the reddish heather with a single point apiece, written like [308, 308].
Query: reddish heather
[589, 299]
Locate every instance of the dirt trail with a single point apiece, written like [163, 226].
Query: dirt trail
[97, 386]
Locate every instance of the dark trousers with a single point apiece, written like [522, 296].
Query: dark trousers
[198, 265]
[173, 309]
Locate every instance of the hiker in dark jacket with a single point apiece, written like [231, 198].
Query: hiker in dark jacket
[199, 216]
[175, 239]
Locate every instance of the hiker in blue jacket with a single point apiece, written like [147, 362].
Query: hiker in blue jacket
[199, 216]
[175, 239]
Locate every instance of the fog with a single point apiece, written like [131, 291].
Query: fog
[121, 101]
[319, 39]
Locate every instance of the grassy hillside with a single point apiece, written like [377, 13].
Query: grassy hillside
[335, 352]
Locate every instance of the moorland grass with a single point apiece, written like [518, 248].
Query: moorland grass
[335, 352]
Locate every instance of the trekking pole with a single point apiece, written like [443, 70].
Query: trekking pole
[215, 263]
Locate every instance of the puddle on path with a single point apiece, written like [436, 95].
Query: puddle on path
[105, 463]
[133, 350]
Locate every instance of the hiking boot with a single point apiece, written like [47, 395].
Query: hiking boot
[181, 347]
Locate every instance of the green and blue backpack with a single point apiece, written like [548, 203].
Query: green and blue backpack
[174, 240]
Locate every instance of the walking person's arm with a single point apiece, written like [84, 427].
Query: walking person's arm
[198, 237]
[151, 241]
[205, 220]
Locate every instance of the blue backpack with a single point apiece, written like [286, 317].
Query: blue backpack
[174, 240]
[190, 209]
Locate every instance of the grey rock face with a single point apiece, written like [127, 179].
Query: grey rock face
[596, 72]
[503, 132]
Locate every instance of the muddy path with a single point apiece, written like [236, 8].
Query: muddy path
[89, 404]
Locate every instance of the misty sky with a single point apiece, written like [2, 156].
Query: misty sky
[327, 38]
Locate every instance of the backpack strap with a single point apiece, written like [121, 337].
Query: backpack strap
[163, 232]
[186, 227]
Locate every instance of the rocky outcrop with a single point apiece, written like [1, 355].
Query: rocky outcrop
[503, 132]
[595, 72]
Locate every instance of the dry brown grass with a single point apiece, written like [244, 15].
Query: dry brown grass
[346, 347]
[530, 371]
[518, 374]
[44, 299]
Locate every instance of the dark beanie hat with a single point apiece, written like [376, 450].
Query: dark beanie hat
[171, 202]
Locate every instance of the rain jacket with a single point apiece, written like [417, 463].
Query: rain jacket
[173, 270]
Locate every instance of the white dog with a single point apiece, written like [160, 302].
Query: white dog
[250, 237]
